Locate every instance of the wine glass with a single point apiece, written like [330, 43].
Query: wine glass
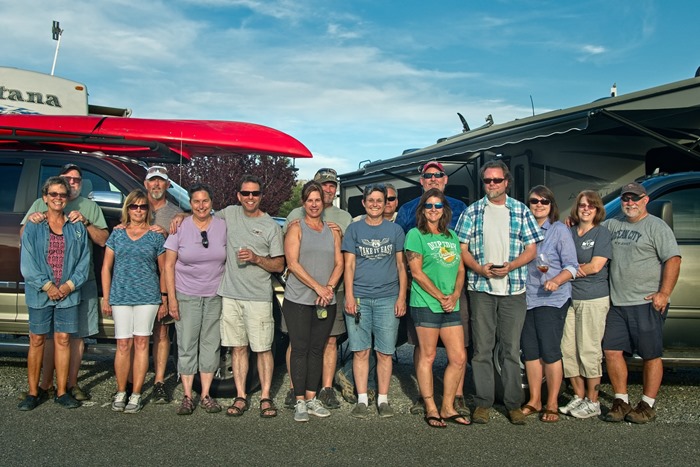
[542, 263]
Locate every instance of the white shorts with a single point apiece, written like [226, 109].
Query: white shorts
[133, 320]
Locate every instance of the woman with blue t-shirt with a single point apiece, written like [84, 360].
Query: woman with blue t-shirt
[433, 254]
[132, 282]
[375, 295]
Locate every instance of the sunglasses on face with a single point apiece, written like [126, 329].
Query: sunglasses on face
[497, 181]
[543, 202]
[205, 239]
[428, 176]
[56, 194]
[71, 179]
[590, 207]
[134, 207]
[433, 205]
[255, 193]
[391, 198]
[628, 198]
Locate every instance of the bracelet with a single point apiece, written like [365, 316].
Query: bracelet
[164, 294]
[331, 286]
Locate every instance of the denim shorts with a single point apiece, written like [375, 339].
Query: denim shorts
[635, 329]
[51, 319]
[376, 319]
[424, 317]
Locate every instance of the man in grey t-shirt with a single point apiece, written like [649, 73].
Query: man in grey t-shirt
[254, 250]
[643, 272]
[157, 183]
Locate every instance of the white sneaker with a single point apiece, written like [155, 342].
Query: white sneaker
[586, 409]
[315, 407]
[119, 402]
[573, 403]
[134, 404]
[300, 412]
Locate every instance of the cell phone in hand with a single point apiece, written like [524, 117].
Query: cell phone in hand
[493, 266]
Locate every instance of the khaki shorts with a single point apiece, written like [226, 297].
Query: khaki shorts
[582, 354]
[245, 322]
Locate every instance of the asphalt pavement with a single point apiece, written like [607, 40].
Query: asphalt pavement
[94, 435]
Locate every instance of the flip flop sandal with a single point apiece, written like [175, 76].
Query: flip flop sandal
[454, 419]
[531, 409]
[269, 411]
[549, 412]
[235, 411]
[430, 420]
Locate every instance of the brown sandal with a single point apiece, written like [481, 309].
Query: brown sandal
[531, 410]
[269, 411]
[235, 411]
[547, 412]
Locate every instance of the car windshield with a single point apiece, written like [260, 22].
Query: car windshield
[182, 198]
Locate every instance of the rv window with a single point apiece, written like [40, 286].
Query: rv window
[9, 181]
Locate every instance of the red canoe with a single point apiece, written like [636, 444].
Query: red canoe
[136, 136]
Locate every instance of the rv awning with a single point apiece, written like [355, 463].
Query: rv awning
[485, 140]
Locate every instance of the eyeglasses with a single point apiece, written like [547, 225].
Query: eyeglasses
[205, 239]
[433, 205]
[71, 179]
[245, 193]
[134, 207]
[56, 194]
[428, 176]
[628, 198]
[391, 198]
[543, 202]
[590, 207]
[488, 181]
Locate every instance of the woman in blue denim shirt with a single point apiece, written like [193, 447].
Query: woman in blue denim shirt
[548, 294]
[55, 261]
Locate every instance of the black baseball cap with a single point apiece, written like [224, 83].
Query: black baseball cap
[68, 167]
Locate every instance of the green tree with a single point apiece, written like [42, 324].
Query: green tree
[293, 202]
[224, 173]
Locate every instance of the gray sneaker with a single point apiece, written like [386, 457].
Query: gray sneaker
[359, 411]
[316, 408]
[119, 402]
[134, 405]
[385, 410]
[300, 412]
[586, 409]
[328, 398]
[571, 406]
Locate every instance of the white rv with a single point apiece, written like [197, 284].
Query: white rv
[30, 92]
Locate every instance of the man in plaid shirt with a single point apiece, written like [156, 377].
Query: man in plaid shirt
[498, 236]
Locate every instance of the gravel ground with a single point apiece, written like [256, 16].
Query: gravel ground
[678, 401]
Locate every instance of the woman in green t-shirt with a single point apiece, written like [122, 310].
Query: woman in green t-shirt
[433, 254]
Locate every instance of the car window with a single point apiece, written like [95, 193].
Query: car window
[686, 213]
[91, 180]
[9, 181]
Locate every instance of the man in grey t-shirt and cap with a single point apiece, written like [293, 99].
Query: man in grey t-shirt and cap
[643, 272]
[157, 183]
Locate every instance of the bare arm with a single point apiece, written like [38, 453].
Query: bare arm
[669, 277]
[594, 267]
[415, 262]
[169, 272]
[107, 264]
[275, 264]
[349, 277]
[163, 308]
[400, 306]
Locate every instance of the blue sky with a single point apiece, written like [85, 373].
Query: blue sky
[354, 80]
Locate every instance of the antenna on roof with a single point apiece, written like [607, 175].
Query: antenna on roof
[613, 90]
[465, 125]
[57, 32]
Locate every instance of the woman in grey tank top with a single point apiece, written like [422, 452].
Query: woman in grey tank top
[315, 263]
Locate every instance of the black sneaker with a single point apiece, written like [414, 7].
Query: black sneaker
[29, 403]
[159, 395]
[67, 401]
[328, 398]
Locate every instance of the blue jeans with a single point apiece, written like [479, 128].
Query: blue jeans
[377, 319]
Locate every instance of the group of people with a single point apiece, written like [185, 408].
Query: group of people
[502, 275]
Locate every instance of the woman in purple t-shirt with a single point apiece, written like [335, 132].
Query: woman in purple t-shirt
[194, 265]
